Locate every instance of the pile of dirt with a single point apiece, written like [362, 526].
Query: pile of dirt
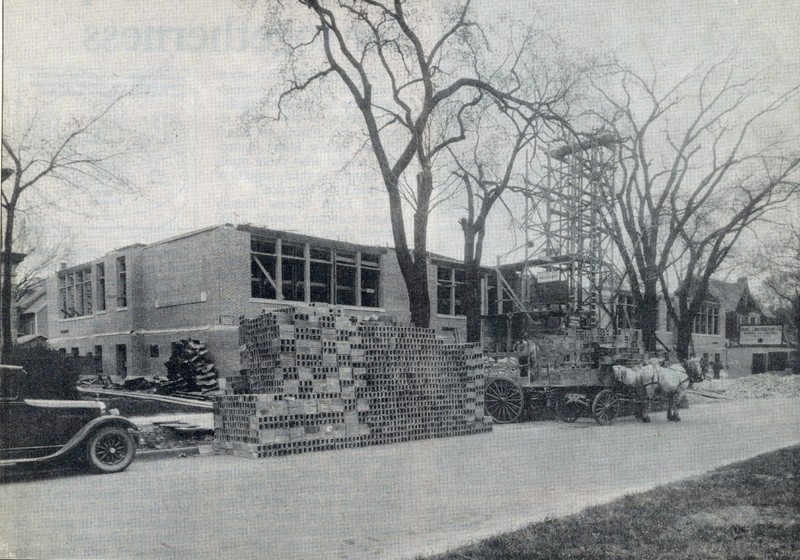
[765, 385]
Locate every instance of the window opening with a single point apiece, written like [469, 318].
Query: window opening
[101, 287]
[370, 280]
[459, 286]
[345, 287]
[122, 283]
[321, 270]
[444, 283]
[293, 269]
[76, 293]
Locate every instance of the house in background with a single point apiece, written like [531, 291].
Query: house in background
[731, 328]
[754, 340]
[31, 313]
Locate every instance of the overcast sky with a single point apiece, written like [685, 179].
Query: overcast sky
[198, 65]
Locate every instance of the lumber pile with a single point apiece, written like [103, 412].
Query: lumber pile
[315, 380]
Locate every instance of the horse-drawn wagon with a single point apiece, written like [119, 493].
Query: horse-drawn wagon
[564, 375]
[510, 400]
[577, 374]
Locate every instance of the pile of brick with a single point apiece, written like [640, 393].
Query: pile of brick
[314, 380]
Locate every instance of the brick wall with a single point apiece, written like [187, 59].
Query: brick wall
[107, 327]
[194, 286]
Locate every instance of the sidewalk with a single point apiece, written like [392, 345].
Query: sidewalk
[383, 502]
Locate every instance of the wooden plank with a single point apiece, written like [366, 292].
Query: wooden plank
[162, 398]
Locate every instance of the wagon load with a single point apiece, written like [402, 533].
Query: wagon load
[565, 375]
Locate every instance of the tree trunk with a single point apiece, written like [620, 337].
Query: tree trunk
[648, 317]
[414, 269]
[418, 293]
[473, 242]
[796, 321]
[472, 302]
[5, 290]
[683, 328]
[419, 299]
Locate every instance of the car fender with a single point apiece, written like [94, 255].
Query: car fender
[79, 438]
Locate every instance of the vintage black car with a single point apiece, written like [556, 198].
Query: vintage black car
[38, 430]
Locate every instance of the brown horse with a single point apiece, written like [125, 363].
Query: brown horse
[652, 379]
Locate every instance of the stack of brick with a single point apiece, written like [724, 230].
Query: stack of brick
[314, 379]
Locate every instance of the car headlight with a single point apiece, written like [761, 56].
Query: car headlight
[114, 412]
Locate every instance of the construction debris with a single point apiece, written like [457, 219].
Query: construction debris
[191, 374]
[765, 385]
[316, 380]
[189, 369]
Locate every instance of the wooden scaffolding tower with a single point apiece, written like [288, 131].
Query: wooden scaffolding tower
[558, 282]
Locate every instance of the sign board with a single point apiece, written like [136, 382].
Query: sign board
[548, 276]
[754, 335]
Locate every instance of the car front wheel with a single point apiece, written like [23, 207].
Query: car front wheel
[110, 449]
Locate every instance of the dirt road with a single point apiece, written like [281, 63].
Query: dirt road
[380, 502]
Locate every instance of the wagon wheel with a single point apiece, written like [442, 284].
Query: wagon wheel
[504, 400]
[605, 407]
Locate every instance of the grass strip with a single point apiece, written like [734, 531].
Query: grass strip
[749, 509]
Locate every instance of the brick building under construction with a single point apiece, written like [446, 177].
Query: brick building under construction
[130, 307]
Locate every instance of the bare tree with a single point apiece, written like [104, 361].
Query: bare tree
[488, 161]
[488, 168]
[781, 261]
[403, 70]
[42, 255]
[68, 158]
[692, 176]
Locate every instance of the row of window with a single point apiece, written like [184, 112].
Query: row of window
[302, 272]
[121, 356]
[749, 320]
[81, 296]
[705, 322]
[450, 287]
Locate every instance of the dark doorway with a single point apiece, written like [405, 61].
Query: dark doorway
[122, 360]
[778, 361]
[759, 363]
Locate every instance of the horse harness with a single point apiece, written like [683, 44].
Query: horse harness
[656, 382]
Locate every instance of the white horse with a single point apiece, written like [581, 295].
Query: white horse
[652, 379]
[694, 368]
